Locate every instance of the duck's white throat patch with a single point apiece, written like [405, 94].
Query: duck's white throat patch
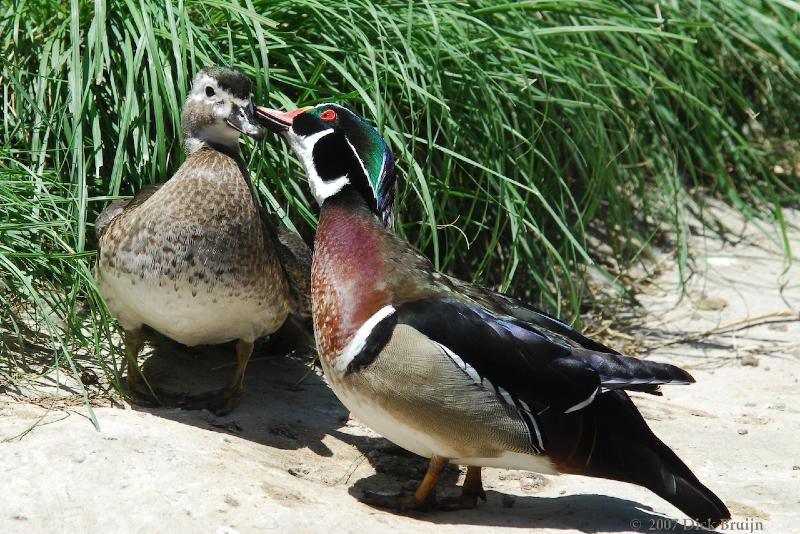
[303, 146]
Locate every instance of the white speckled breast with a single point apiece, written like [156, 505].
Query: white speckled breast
[193, 261]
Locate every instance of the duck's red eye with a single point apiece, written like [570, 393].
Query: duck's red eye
[327, 115]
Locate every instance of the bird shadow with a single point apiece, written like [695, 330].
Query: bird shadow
[288, 406]
[285, 405]
[398, 471]
[584, 512]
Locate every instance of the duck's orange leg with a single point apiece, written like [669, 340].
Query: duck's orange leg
[472, 489]
[423, 499]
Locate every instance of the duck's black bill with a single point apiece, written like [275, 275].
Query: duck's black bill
[243, 120]
[278, 121]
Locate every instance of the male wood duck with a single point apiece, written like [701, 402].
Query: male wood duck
[454, 372]
[197, 258]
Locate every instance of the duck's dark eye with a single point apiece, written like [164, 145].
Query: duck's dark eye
[327, 115]
[210, 91]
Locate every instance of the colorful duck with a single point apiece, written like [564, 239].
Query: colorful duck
[454, 372]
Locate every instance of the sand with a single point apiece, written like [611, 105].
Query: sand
[289, 459]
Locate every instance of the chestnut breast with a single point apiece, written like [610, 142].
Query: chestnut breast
[349, 277]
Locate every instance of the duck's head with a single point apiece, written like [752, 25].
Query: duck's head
[218, 110]
[340, 151]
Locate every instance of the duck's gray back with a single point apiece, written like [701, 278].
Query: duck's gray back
[192, 260]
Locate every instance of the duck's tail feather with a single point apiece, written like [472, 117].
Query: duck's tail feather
[610, 439]
[633, 374]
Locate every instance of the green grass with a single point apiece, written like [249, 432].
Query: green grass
[520, 128]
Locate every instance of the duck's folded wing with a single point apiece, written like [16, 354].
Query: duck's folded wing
[542, 370]
[295, 257]
[117, 207]
[505, 305]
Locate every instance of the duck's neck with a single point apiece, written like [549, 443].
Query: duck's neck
[349, 273]
[192, 144]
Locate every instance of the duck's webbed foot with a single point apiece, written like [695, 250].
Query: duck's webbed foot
[223, 401]
[472, 489]
[401, 502]
[137, 388]
[422, 499]
[219, 401]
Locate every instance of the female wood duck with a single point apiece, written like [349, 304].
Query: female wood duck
[197, 258]
[454, 372]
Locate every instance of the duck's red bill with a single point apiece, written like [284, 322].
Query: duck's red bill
[278, 120]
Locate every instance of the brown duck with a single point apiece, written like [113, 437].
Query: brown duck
[197, 258]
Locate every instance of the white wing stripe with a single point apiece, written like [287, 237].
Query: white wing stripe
[473, 374]
[534, 424]
[503, 393]
[621, 382]
[585, 403]
[522, 408]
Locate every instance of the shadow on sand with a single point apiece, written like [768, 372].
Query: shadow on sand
[285, 404]
[585, 513]
[288, 406]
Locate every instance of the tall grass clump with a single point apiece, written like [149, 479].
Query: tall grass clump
[520, 128]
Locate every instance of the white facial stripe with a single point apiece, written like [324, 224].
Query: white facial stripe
[380, 174]
[303, 146]
[202, 81]
[360, 161]
[322, 189]
[198, 93]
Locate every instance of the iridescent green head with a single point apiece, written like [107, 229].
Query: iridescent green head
[340, 151]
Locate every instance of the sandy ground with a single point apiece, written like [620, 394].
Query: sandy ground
[289, 458]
